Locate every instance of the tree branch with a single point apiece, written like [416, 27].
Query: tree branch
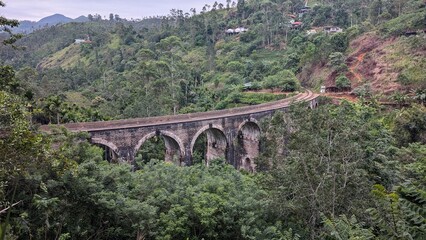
[5, 210]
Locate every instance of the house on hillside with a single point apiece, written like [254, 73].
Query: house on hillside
[296, 25]
[230, 31]
[239, 30]
[332, 29]
[247, 86]
[304, 10]
[80, 41]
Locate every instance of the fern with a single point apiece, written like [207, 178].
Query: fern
[343, 228]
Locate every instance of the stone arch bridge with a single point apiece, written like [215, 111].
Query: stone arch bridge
[232, 134]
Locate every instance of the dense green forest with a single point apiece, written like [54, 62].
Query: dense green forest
[353, 170]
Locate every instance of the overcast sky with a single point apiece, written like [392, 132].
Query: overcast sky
[37, 9]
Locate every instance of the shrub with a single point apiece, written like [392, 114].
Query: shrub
[286, 80]
[363, 91]
[339, 42]
[343, 82]
[235, 66]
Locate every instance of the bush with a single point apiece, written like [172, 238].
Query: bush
[339, 42]
[286, 80]
[343, 82]
[271, 82]
[248, 37]
[235, 66]
[353, 32]
[363, 91]
[336, 58]
[410, 125]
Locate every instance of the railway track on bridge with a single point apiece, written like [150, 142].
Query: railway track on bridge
[184, 118]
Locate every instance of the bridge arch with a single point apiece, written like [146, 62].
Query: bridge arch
[249, 121]
[174, 145]
[248, 144]
[217, 143]
[111, 150]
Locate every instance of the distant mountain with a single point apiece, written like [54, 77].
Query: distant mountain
[81, 19]
[53, 20]
[29, 26]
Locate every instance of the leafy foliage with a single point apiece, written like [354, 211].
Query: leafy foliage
[343, 82]
[344, 228]
[410, 125]
[162, 201]
[327, 161]
[347, 160]
[6, 25]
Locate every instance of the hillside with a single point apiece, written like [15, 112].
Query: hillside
[202, 66]
[387, 59]
[370, 63]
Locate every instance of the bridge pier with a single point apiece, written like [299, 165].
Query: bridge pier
[126, 154]
[230, 157]
[187, 155]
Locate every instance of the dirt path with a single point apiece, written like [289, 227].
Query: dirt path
[354, 67]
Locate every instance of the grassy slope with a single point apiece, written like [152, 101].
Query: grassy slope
[65, 58]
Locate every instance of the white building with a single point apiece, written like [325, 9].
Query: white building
[237, 30]
[332, 29]
[230, 31]
[78, 41]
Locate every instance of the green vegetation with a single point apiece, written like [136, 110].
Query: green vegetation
[337, 161]
[134, 65]
[348, 171]
[410, 22]
[237, 99]
[343, 82]
[408, 59]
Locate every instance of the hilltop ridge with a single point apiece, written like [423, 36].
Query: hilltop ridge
[27, 26]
